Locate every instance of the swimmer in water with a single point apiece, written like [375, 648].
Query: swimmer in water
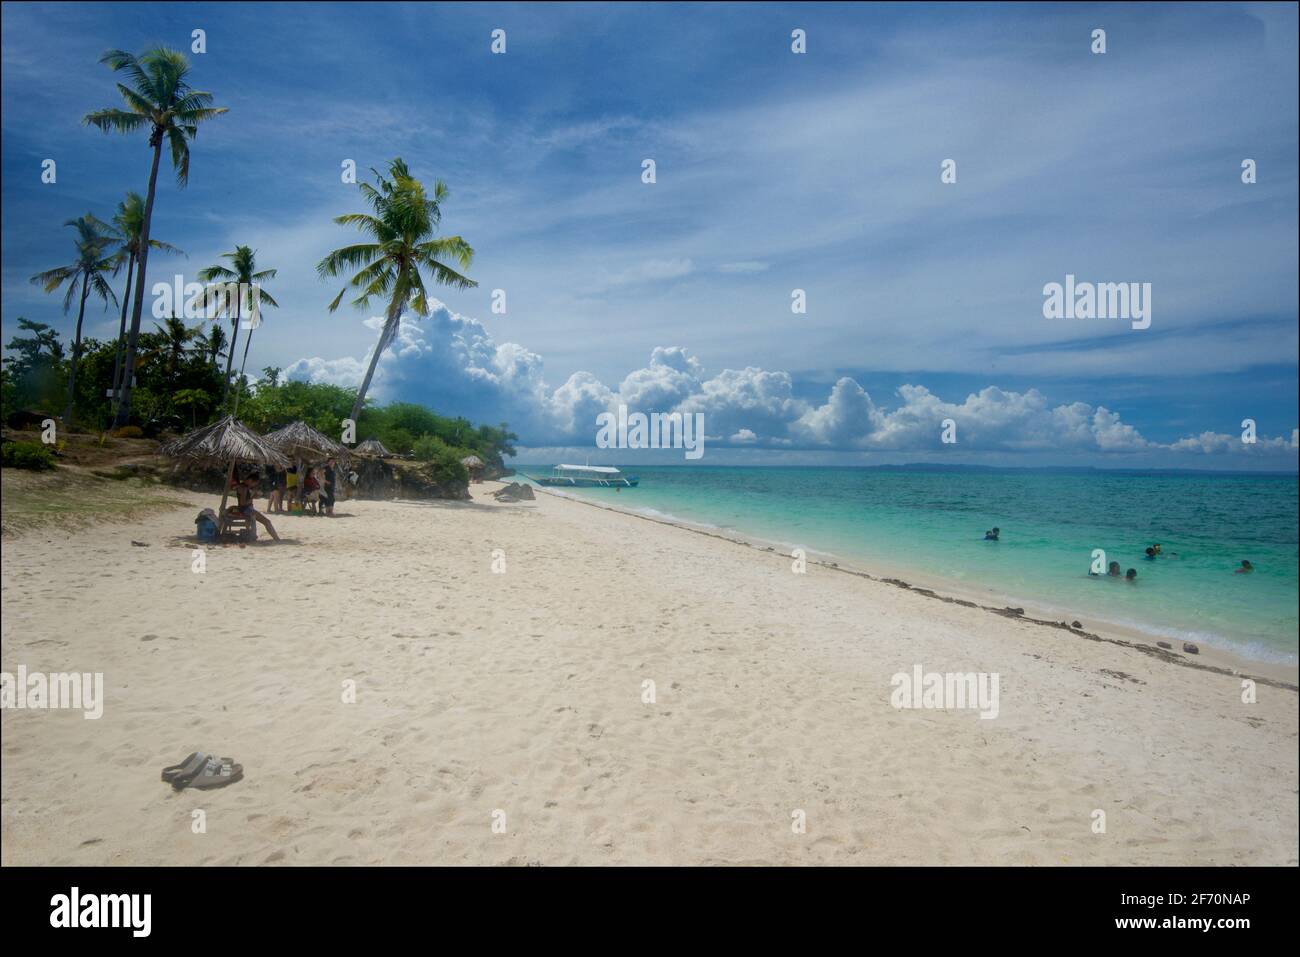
[1113, 571]
[1150, 555]
[992, 534]
[1131, 575]
[1245, 569]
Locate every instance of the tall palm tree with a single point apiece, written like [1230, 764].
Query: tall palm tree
[128, 222]
[85, 273]
[242, 270]
[161, 101]
[403, 226]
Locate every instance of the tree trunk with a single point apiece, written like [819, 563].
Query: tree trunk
[128, 363]
[76, 351]
[121, 333]
[248, 337]
[394, 316]
[230, 353]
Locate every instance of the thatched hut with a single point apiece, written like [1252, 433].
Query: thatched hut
[306, 446]
[476, 467]
[300, 441]
[374, 448]
[226, 442]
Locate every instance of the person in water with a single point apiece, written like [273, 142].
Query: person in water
[1151, 554]
[992, 534]
[1131, 575]
[1113, 571]
[1245, 569]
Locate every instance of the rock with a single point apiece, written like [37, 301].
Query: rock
[1165, 644]
[1076, 624]
[1190, 648]
[515, 492]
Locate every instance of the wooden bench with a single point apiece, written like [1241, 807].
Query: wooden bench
[237, 520]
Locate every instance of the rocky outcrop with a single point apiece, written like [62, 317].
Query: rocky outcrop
[515, 492]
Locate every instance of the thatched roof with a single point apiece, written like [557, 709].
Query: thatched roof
[222, 442]
[300, 441]
[472, 462]
[374, 447]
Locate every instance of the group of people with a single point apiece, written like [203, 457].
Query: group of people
[314, 494]
[1153, 552]
[313, 491]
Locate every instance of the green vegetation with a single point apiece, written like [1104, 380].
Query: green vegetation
[26, 455]
[179, 377]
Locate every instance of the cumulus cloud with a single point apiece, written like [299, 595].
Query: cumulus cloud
[451, 362]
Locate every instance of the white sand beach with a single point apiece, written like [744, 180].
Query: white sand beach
[522, 692]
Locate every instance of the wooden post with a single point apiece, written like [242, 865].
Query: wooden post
[225, 493]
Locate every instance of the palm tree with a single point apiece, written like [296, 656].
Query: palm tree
[176, 339]
[86, 272]
[161, 101]
[128, 222]
[214, 344]
[403, 225]
[244, 265]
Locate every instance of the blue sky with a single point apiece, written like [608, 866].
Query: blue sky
[775, 172]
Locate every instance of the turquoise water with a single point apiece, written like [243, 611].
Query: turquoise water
[933, 523]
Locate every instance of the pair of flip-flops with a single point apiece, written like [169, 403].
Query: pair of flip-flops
[202, 771]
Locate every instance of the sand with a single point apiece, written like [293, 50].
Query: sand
[503, 717]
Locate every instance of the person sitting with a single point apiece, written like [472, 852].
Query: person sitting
[992, 534]
[1245, 569]
[244, 505]
[291, 486]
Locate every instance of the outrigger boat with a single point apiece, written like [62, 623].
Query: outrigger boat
[586, 476]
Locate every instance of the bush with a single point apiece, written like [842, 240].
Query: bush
[26, 455]
[129, 432]
[447, 467]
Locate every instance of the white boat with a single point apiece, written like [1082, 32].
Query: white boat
[586, 476]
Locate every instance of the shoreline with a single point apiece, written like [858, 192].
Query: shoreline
[1210, 657]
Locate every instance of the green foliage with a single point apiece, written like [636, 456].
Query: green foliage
[445, 459]
[26, 455]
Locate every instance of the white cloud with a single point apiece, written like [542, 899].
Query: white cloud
[450, 362]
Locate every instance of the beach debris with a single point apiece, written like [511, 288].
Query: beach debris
[203, 772]
[139, 544]
[1076, 624]
[1190, 648]
[515, 492]
[1165, 644]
